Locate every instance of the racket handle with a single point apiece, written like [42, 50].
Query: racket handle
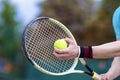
[96, 76]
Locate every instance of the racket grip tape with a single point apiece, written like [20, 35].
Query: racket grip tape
[95, 76]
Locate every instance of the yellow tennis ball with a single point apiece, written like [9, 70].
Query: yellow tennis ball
[60, 44]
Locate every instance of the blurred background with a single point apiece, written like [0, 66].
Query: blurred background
[90, 21]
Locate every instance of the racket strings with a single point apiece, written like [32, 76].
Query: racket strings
[44, 63]
[50, 67]
[39, 42]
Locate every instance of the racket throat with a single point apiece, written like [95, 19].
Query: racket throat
[90, 74]
[89, 69]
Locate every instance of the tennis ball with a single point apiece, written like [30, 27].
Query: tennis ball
[60, 44]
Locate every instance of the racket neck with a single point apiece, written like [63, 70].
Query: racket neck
[88, 73]
[91, 72]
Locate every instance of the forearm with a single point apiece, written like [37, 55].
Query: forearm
[107, 50]
[114, 71]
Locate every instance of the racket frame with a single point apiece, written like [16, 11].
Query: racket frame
[33, 62]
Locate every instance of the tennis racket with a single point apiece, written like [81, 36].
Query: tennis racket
[38, 39]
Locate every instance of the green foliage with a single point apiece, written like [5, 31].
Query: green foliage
[8, 43]
[12, 61]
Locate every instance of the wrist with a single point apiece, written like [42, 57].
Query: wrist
[85, 52]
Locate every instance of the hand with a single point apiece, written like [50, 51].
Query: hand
[105, 77]
[72, 51]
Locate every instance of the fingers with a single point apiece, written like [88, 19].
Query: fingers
[68, 40]
[61, 51]
[61, 54]
[104, 77]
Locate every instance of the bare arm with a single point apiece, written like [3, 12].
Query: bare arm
[107, 50]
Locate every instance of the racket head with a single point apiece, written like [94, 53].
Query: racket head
[38, 39]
